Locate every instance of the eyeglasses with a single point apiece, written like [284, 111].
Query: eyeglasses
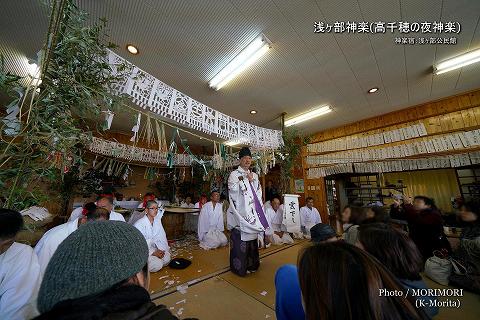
[152, 208]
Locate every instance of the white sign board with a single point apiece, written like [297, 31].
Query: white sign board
[291, 213]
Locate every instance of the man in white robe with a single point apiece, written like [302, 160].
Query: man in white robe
[309, 216]
[210, 224]
[245, 218]
[151, 228]
[50, 241]
[107, 203]
[277, 233]
[19, 271]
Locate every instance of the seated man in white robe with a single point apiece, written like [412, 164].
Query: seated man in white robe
[50, 241]
[107, 203]
[19, 271]
[210, 224]
[187, 203]
[277, 233]
[309, 216]
[151, 228]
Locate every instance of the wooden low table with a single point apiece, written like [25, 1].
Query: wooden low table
[173, 221]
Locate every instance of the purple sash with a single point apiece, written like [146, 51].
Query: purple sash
[258, 208]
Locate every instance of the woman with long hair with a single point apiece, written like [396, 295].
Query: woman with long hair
[399, 254]
[341, 281]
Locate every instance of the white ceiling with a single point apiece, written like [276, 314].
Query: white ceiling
[185, 43]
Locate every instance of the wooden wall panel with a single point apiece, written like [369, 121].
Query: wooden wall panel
[423, 111]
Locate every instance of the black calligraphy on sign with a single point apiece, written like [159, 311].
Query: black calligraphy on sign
[292, 210]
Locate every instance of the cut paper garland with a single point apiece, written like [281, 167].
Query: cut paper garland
[148, 92]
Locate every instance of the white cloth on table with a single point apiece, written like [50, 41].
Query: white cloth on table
[309, 218]
[19, 282]
[50, 241]
[210, 226]
[156, 239]
[241, 212]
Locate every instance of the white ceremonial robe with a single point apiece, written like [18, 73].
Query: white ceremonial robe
[239, 215]
[115, 216]
[76, 213]
[309, 218]
[276, 224]
[19, 282]
[50, 241]
[210, 227]
[156, 239]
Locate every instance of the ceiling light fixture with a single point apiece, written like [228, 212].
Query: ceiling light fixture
[253, 111]
[132, 49]
[457, 62]
[375, 89]
[243, 60]
[308, 116]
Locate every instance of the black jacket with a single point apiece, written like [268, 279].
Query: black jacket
[129, 302]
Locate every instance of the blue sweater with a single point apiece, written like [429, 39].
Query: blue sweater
[288, 299]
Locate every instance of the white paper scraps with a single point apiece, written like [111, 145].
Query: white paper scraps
[152, 291]
[171, 308]
[199, 271]
[263, 293]
[180, 311]
[169, 282]
[183, 288]
[181, 301]
[267, 316]
[163, 277]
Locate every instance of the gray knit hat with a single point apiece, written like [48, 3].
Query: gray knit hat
[92, 259]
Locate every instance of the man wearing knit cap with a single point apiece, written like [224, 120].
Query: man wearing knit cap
[98, 272]
[245, 217]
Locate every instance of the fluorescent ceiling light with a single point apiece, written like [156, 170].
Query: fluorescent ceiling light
[132, 49]
[457, 62]
[243, 60]
[235, 142]
[308, 116]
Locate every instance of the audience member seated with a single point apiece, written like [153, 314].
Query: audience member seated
[151, 228]
[50, 241]
[147, 197]
[277, 233]
[210, 224]
[107, 203]
[19, 271]
[187, 203]
[322, 232]
[468, 251]
[309, 216]
[341, 281]
[81, 211]
[99, 272]
[345, 217]
[203, 200]
[425, 224]
[357, 216]
[398, 254]
[376, 213]
[288, 299]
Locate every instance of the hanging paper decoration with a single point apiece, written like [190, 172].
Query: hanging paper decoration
[148, 92]
[108, 119]
[11, 120]
[135, 129]
[217, 158]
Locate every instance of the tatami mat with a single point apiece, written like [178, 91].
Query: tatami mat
[216, 299]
